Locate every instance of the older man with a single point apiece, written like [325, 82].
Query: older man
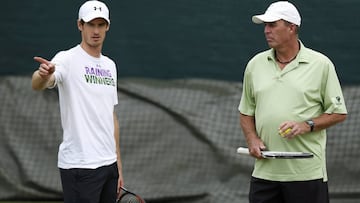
[291, 94]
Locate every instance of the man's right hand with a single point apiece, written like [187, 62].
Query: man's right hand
[46, 68]
[255, 146]
[43, 77]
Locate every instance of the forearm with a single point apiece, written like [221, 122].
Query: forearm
[117, 141]
[247, 124]
[39, 83]
[321, 122]
[254, 143]
[327, 120]
[118, 154]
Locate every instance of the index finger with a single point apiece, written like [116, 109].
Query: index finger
[284, 126]
[41, 60]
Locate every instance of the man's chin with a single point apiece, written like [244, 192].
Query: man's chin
[270, 43]
[95, 44]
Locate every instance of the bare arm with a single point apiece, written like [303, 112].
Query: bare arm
[117, 144]
[43, 77]
[321, 122]
[327, 120]
[255, 144]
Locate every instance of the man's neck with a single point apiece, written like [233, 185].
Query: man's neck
[92, 51]
[288, 52]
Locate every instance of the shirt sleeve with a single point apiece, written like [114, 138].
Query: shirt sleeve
[247, 102]
[333, 97]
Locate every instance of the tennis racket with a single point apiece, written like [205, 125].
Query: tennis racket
[277, 154]
[129, 197]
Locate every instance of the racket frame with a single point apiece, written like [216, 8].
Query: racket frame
[277, 154]
[126, 192]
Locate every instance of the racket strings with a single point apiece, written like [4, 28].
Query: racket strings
[129, 198]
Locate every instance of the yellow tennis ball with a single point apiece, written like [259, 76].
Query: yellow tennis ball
[282, 134]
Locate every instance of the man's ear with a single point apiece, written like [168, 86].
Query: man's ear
[80, 25]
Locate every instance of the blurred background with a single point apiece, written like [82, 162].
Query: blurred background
[180, 68]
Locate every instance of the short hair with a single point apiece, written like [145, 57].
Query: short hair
[297, 28]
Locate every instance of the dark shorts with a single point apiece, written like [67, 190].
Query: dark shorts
[264, 191]
[90, 185]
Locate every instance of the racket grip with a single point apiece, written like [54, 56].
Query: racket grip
[243, 150]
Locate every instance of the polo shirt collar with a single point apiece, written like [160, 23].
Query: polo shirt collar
[301, 56]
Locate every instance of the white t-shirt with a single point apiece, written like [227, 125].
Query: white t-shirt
[87, 95]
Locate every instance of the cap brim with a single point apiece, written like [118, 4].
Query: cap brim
[90, 17]
[258, 19]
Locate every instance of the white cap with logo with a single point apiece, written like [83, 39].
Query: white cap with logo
[281, 10]
[93, 9]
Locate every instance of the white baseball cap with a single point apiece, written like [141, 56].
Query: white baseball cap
[93, 9]
[281, 10]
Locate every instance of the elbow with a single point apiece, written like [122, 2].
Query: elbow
[343, 117]
[340, 118]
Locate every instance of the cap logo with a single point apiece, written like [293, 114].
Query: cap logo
[96, 8]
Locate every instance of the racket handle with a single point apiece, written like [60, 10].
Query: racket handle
[243, 150]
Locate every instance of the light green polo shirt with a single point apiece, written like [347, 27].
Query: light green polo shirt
[304, 89]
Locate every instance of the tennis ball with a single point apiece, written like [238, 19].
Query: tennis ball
[282, 134]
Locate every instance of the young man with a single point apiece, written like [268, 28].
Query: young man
[290, 87]
[89, 155]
